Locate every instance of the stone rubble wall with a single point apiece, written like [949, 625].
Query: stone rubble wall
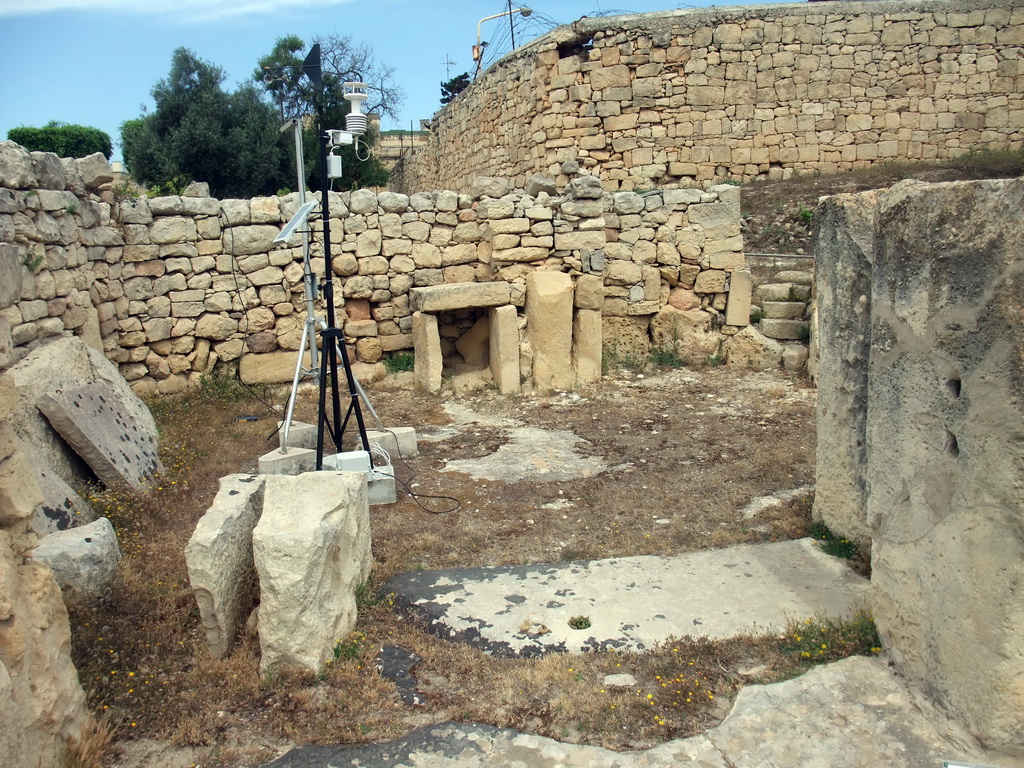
[681, 98]
[921, 431]
[173, 287]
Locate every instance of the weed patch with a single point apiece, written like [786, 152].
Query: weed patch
[398, 362]
[820, 641]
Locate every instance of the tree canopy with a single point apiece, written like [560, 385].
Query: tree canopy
[199, 131]
[281, 76]
[454, 87]
[63, 139]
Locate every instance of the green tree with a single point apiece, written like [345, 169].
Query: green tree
[63, 139]
[281, 75]
[200, 131]
[454, 87]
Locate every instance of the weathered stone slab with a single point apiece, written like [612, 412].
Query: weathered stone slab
[945, 437]
[440, 298]
[428, 362]
[83, 559]
[549, 304]
[220, 561]
[587, 346]
[504, 348]
[62, 508]
[312, 549]
[65, 362]
[737, 311]
[100, 429]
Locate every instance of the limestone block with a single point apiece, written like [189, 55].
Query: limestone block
[538, 183]
[249, 240]
[84, 559]
[520, 254]
[311, 548]
[589, 292]
[19, 492]
[785, 329]
[399, 442]
[215, 326]
[98, 426]
[549, 306]
[11, 272]
[267, 368]
[173, 229]
[220, 561]
[737, 310]
[626, 335]
[573, 241]
[473, 344]
[504, 348]
[587, 345]
[710, 281]
[428, 358]
[794, 357]
[442, 298]
[42, 703]
[750, 349]
[944, 428]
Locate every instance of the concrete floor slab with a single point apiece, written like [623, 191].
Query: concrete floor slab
[632, 602]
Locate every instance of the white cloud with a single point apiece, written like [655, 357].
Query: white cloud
[181, 10]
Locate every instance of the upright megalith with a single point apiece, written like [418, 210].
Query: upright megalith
[220, 561]
[845, 248]
[945, 431]
[312, 549]
[921, 431]
[549, 320]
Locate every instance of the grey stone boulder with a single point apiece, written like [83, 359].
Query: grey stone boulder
[751, 349]
[488, 186]
[585, 188]
[84, 559]
[540, 183]
[62, 507]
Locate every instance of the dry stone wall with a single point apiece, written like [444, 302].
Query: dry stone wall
[173, 287]
[684, 97]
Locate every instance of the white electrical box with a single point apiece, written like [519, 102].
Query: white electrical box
[334, 166]
[349, 461]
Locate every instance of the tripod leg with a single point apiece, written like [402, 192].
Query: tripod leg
[307, 338]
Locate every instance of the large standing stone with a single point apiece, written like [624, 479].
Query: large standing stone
[312, 549]
[504, 348]
[428, 362]
[84, 559]
[587, 346]
[737, 310]
[100, 429]
[945, 435]
[845, 249]
[549, 302]
[220, 561]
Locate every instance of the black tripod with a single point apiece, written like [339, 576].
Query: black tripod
[333, 344]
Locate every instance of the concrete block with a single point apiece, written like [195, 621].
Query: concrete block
[300, 435]
[290, 461]
[380, 485]
[399, 442]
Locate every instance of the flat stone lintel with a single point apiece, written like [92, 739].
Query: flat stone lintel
[443, 298]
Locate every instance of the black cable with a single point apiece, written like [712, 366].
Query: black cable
[415, 496]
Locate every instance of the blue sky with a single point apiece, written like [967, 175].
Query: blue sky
[94, 62]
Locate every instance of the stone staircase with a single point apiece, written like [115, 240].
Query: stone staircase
[781, 304]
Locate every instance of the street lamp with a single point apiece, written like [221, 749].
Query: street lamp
[478, 50]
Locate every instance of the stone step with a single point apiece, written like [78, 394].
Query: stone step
[783, 292]
[785, 329]
[784, 310]
[798, 276]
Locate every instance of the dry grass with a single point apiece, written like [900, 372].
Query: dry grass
[693, 448]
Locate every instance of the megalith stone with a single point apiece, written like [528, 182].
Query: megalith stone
[312, 549]
[750, 349]
[945, 435]
[549, 304]
[101, 431]
[428, 363]
[845, 246]
[84, 559]
[504, 348]
[220, 560]
[587, 346]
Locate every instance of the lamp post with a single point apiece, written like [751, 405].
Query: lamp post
[478, 51]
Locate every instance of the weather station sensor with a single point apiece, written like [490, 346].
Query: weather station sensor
[355, 94]
[288, 230]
